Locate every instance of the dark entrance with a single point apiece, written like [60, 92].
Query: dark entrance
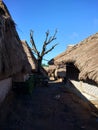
[72, 71]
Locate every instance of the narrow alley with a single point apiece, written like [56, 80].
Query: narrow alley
[48, 108]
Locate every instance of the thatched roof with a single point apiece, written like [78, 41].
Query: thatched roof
[31, 58]
[12, 55]
[84, 56]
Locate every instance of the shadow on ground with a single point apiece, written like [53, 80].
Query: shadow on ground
[47, 108]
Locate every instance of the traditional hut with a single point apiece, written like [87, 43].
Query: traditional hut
[29, 60]
[83, 56]
[81, 62]
[13, 60]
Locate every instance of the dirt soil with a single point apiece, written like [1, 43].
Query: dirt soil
[48, 108]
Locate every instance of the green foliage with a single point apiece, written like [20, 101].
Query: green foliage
[30, 83]
[44, 65]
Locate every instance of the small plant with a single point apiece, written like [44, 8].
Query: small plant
[31, 83]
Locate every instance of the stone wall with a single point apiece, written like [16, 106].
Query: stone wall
[88, 91]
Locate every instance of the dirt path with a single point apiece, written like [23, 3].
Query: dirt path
[48, 108]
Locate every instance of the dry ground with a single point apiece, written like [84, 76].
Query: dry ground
[48, 108]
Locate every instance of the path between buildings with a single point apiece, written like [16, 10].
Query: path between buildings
[48, 108]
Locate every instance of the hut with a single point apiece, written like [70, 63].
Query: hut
[29, 62]
[13, 59]
[81, 62]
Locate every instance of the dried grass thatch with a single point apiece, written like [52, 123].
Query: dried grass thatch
[84, 56]
[12, 55]
[31, 58]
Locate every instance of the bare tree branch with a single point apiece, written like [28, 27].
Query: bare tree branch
[52, 38]
[50, 49]
[44, 51]
[47, 34]
[48, 41]
[33, 43]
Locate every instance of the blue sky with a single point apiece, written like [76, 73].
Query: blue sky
[74, 19]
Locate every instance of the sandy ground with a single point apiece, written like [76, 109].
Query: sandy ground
[48, 108]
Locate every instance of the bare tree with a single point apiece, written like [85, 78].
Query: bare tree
[44, 51]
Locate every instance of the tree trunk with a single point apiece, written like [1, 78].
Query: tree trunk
[39, 65]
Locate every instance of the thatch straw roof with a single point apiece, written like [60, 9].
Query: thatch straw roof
[84, 56]
[31, 58]
[12, 55]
